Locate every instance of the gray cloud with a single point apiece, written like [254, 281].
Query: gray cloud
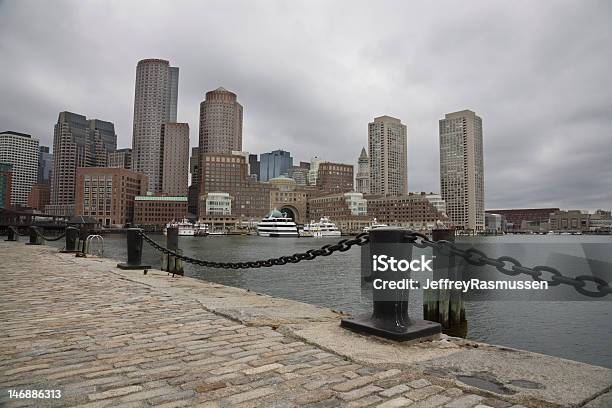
[311, 75]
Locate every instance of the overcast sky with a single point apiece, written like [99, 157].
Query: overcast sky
[311, 75]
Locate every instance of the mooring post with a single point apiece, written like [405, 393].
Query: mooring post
[11, 235]
[390, 318]
[445, 306]
[72, 235]
[134, 251]
[34, 236]
[174, 265]
[81, 249]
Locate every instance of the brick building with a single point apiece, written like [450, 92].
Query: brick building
[39, 196]
[334, 178]
[228, 173]
[347, 210]
[107, 194]
[516, 217]
[6, 183]
[413, 211]
[154, 212]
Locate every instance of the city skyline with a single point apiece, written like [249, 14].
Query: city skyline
[530, 162]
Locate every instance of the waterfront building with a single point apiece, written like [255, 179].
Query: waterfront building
[6, 179]
[287, 197]
[21, 151]
[121, 158]
[175, 174]
[363, 173]
[413, 211]
[107, 194]
[517, 217]
[348, 210]
[45, 165]
[569, 221]
[77, 142]
[220, 123]
[273, 164]
[600, 221]
[494, 223]
[155, 103]
[218, 204]
[39, 196]
[437, 201]
[388, 156]
[254, 167]
[334, 178]
[462, 169]
[155, 211]
[228, 173]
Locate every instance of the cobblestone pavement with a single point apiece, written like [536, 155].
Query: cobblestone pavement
[107, 341]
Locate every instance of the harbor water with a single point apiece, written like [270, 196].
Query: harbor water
[576, 330]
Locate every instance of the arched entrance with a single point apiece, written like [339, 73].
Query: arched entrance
[291, 212]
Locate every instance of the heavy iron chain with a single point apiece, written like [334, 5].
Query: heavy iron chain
[57, 238]
[326, 250]
[505, 264]
[16, 231]
[511, 266]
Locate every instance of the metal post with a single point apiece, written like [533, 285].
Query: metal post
[11, 235]
[34, 237]
[72, 234]
[134, 250]
[83, 233]
[173, 265]
[390, 318]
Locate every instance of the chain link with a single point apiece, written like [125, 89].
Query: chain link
[325, 250]
[512, 267]
[57, 238]
[504, 264]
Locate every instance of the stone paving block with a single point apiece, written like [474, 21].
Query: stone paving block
[116, 392]
[419, 383]
[262, 369]
[354, 383]
[359, 393]
[393, 391]
[395, 403]
[432, 402]
[249, 395]
[467, 401]
[422, 393]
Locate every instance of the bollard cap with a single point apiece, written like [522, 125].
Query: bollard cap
[387, 234]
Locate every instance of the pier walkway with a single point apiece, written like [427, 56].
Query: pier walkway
[111, 338]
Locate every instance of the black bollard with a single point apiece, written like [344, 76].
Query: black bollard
[390, 317]
[11, 235]
[172, 238]
[34, 237]
[72, 234]
[81, 242]
[134, 249]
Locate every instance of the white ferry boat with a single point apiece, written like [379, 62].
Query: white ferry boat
[185, 228]
[277, 224]
[323, 228]
[375, 224]
[201, 229]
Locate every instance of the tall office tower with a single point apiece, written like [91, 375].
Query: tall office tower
[77, 142]
[462, 169]
[45, 165]
[274, 164]
[20, 151]
[175, 137]
[387, 146]
[254, 166]
[363, 173]
[120, 158]
[155, 103]
[220, 123]
[193, 191]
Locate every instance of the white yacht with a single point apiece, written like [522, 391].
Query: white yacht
[201, 229]
[375, 224]
[323, 228]
[185, 228]
[277, 224]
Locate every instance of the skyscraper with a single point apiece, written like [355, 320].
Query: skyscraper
[20, 150]
[45, 165]
[274, 164]
[387, 146]
[220, 123]
[77, 142]
[175, 137]
[462, 169]
[121, 158]
[155, 103]
[363, 173]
